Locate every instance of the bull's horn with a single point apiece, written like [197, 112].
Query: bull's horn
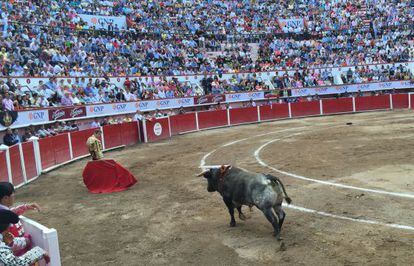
[202, 173]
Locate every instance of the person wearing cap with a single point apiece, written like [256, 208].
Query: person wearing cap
[6, 253]
[22, 241]
[95, 145]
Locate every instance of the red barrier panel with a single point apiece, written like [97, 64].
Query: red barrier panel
[243, 115]
[305, 108]
[54, 150]
[129, 133]
[372, 102]
[183, 123]
[336, 106]
[157, 129]
[274, 111]
[29, 160]
[112, 136]
[399, 101]
[79, 139]
[4, 176]
[210, 119]
[61, 148]
[16, 165]
[47, 152]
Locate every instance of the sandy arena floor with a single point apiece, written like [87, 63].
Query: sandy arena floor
[342, 213]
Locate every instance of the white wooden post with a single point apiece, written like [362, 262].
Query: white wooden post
[70, 146]
[197, 126]
[38, 159]
[23, 165]
[353, 105]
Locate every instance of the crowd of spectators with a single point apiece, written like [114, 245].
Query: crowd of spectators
[174, 37]
[15, 136]
[48, 38]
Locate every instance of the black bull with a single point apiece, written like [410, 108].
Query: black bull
[239, 187]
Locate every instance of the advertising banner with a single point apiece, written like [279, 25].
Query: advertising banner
[104, 22]
[206, 99]
[353, 88]
[247, 96]
[291, 24]
[111, 109]
[165, 104]
[67, 113]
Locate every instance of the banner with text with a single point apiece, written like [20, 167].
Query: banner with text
[165, 104]
[243, 97]
[104, 22]
[292, 24]
[354, 88]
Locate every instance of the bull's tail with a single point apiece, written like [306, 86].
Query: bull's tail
[276, 180]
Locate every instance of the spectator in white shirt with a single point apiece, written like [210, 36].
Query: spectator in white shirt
[95, 123]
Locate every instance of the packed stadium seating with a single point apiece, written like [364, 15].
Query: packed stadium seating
[140, 38]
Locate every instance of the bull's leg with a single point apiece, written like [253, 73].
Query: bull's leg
[241, 215]
[273, 220]
[281, 214]
[230, 206]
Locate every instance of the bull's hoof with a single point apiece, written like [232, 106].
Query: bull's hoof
[277, 235]
[242, 217]
[282, 246]
[232, 224]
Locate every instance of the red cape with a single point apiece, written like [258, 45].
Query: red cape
[106, 176]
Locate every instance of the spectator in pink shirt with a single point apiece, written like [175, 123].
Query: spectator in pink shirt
[7, 103]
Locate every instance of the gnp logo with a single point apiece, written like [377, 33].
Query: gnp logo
[142, 105]
[36, 116]
[185, 101]
[119, 107]
[96, 109]
[234, 96]
[163, 103]
[255, 95]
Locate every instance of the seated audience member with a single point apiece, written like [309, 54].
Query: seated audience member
[22, 241]
[7, 257]
[42, 132]
[138, 116]
[9, 138]
[95, 123]
[27, 134]
[158, 114]
[74, 126]
[16, 133]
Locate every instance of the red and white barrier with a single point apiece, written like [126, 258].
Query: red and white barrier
[24, 162]
[157, 129]
[274, 111]
[183, 123]
[301, 109]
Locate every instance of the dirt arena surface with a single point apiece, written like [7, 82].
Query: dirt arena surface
[170, 218]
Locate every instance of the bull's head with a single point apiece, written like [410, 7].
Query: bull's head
[213, 176]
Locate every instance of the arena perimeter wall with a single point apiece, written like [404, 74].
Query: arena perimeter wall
[24, 162]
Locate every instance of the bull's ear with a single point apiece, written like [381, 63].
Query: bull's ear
[202, 173]
[224, 168]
